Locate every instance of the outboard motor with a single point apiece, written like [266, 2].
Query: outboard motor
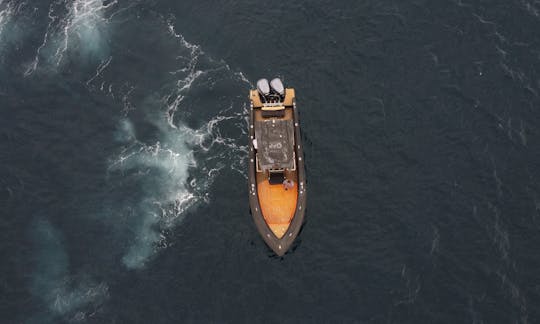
[263, 87]
[277, 86]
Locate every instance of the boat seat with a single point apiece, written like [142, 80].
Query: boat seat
[276, 178]
[277, 106]
[273, 113]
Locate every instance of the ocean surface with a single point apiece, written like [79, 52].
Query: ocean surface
[123, 158]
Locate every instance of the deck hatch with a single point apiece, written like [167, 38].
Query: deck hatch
[275, 140]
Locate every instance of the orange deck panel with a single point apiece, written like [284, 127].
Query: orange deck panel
[277, 205]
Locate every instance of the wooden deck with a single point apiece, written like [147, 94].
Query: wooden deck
[278, 205]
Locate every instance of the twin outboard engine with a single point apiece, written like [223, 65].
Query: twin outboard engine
[263, 87]
[271, 92]
[277, 86]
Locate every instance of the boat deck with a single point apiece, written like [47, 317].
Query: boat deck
[277, 213]
[278, 204]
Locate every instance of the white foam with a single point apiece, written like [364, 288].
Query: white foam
[6, 13]
[10, 29]
[195, 49]
[101, 67]
[165, 164]
[532, 7]
[244, 79]
[172, 169]
[172, 179]
[220, 151]
[63, 292]
[79, 26]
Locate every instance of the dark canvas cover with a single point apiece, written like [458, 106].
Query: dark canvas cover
[275, 141]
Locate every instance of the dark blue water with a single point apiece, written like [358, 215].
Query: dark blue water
[123, 161]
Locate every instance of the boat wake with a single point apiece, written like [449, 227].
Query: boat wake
[168, 148]
[76, 30]
[6, 13]
[9, 29]
[174, 165]
[66, 295]
[160, 171]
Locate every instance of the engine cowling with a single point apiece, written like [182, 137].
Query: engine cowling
[277, 86]
[263, 87]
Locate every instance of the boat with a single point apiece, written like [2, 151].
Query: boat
[276, 174]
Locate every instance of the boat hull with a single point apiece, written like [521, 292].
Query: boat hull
[279, 241]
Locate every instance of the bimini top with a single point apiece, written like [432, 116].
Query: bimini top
[275, 141]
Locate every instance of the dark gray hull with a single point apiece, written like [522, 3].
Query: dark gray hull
[279, 245]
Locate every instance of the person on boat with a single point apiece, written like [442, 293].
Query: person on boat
[288, 184]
